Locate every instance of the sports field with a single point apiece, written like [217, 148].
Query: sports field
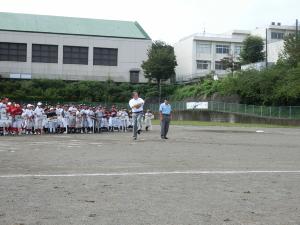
[201, 175]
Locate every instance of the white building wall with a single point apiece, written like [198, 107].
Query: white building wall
[187, 54]
[131, 54]
[184, 51]
[274, 51]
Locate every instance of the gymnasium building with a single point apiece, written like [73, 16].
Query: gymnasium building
[53, 47]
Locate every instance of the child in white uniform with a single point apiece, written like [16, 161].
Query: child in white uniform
[38, 118]
[28, 116]
[148, 117]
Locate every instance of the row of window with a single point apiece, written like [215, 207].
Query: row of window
[205, 65]
[220, 49]
[49, 54]
[277, 35]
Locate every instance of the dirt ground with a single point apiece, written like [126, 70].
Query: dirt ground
[201, 175]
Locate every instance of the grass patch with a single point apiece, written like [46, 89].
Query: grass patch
[221, 124]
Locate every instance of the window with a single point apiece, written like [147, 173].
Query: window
[203, 48]
[13, 52]
[76, 55]
[106, 56]
[219, 66]
[237, 50]
[44, 53]
[134, 76]
[277, 35]
[222, 49]
[203, 65]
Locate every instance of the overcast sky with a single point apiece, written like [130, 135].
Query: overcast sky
[169, 20]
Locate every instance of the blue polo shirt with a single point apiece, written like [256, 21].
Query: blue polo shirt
[165, 109]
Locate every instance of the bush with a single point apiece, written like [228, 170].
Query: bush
[277, 85]
[76, 91]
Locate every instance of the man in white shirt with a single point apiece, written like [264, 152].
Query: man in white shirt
[136, 104]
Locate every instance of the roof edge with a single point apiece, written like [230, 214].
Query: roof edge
[85, 35]
[142, 30]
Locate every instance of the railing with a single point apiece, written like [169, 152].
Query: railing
[282, 112]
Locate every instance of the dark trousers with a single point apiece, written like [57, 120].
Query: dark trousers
[164, 125]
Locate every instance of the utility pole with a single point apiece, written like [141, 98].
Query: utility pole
[297, 31]
[266, 47]
[159, 98]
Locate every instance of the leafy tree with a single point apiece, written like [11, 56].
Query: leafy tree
[252, 50]
[291, 50]
[230, 63]
[161, 62]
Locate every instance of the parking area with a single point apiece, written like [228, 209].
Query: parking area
[201, 175]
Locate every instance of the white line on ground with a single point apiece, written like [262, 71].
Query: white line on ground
[191, 172]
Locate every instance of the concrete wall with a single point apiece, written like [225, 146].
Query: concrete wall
[274, 50]
[230, 117]
[184, 55]
[131, 54]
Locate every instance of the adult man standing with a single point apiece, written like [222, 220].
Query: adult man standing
[136, 104]
[165, 118]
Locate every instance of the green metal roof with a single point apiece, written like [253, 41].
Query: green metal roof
[71, 25]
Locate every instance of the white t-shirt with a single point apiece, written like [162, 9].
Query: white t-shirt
[134, 102]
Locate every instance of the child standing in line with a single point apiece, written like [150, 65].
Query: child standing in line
[148, 117]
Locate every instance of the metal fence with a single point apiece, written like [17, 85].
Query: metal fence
[282, 112]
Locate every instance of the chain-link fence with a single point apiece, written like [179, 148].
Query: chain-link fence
[283, 112]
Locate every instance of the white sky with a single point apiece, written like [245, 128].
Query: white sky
[169, 20]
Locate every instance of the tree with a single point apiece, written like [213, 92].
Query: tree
[291, 50]
[231, 63]
[252, 51]
[161, 62]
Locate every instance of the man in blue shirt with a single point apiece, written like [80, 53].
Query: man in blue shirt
[165, 118]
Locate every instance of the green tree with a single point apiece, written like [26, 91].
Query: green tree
[161, 62]
[291, 50]
[252, 50]
[231, 63]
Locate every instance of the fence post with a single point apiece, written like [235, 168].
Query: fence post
[290, 113]
[270, 111]
[261, 112]
[279, 112]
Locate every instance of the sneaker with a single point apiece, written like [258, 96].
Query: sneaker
[166, 138]
[139, 131]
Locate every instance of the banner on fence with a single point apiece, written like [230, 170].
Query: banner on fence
[197, 105]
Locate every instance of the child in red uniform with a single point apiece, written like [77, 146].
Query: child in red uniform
[16, 114]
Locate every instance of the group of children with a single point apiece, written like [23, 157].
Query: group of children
[16, 119]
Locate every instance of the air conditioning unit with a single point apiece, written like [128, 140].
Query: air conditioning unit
[278, 24]
[273, 23]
